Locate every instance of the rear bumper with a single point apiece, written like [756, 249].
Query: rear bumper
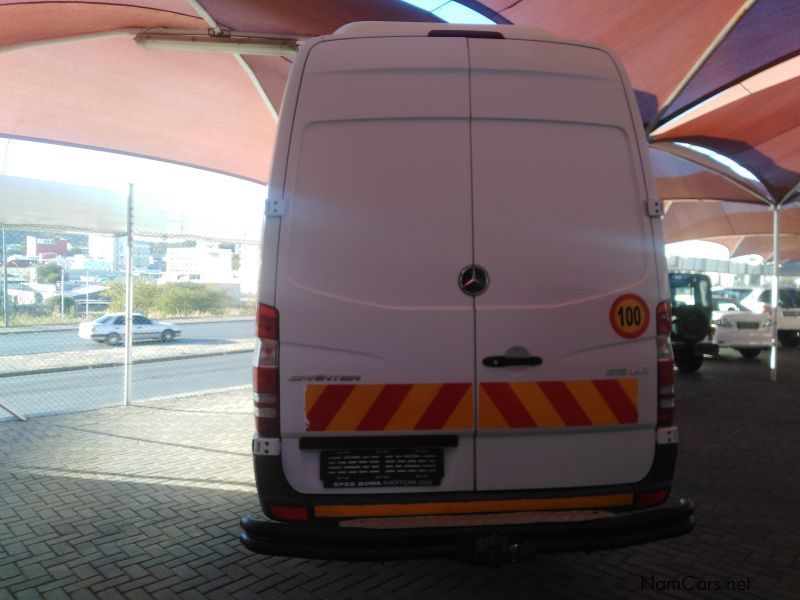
[473, 544]
[755, 344]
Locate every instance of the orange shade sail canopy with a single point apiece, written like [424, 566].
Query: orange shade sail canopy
[722, 75]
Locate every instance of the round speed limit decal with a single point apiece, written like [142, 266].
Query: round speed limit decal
[629, 316]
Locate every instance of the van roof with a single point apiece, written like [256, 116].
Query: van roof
[392, 28]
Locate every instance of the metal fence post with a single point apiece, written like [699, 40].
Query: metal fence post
[5, 282]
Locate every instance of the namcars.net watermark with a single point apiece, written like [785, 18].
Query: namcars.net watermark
[692, 583]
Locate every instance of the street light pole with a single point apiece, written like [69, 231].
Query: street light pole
[62, 291]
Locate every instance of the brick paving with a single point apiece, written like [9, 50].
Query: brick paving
[144, 501]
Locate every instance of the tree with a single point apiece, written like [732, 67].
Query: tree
[171, 299]
[144, 296]
[54, 304]
[48, 273]
[191, 298]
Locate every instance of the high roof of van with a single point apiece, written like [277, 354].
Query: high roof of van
[391, 28]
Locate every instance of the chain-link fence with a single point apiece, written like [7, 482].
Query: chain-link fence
[63, 329]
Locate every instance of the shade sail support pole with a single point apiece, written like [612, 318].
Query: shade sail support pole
[683, 153]
[257, 84]
[684, 83]
[776, 230]
[214, 27]
[791, 195]
[127, 392]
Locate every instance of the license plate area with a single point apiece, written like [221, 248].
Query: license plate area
[747, 325]
[381, 467]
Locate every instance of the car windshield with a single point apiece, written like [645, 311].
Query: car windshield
[690, 290]
[736, 293]
[103, 319]
[789, 298]
[728, 305]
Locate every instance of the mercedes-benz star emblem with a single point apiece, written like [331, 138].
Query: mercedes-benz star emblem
[473, 280]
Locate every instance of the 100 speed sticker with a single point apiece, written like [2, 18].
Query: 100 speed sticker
[629, 316]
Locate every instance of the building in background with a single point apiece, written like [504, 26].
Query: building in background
[111, 250]
[205, 263]
[47, 248]
[249, 266]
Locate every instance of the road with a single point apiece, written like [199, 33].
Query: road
[65, 340]
[67, 391]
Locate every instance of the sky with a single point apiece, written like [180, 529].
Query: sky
[451, 12]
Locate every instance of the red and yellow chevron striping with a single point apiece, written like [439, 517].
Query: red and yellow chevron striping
[449, 406]
[394, 407]
[541, 404]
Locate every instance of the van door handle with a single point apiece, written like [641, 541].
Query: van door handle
[512, 361]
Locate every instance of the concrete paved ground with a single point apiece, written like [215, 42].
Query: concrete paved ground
[143, 502]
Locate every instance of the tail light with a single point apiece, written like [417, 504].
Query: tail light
[652, 498]
[266, 391]
[287, 513]
[767, 310]
[666, 366]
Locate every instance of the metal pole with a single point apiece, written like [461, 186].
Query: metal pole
[129, 298]
[776, 230]
[10, 409]
[5, 282]
[86, 307]
[5, 405]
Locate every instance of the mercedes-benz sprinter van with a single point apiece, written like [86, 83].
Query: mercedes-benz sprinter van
[463, 322]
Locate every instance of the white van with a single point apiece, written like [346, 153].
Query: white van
[464, 320]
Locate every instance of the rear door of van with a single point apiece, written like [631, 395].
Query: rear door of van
[565, 332]
[376, 339]
[411, 160]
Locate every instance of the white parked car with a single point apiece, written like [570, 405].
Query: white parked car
[788, 313]
[111, 329]
[739, 328]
